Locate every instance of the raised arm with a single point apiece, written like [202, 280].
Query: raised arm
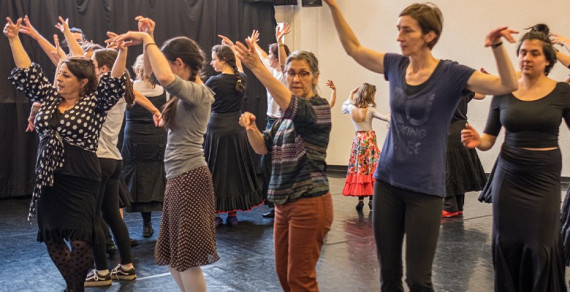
[158, 63]
[507, 80]
[74, 47]
[28, 29]
[249, 58]
[254, 39]
[147, 25]
[332, 99]
[226, 41]
[560, 40]
[11, 31]
[279, 34]
[367, 58]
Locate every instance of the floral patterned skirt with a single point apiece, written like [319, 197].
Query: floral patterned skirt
[364, 156]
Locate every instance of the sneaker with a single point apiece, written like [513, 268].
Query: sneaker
[120, 273]
[94, 279]
[446, 214]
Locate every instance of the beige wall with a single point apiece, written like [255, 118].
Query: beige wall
[374, 22]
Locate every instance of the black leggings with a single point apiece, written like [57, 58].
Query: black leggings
[108, 210]
[398, 212]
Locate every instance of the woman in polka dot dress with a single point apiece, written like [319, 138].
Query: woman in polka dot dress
[186, 239]
[67, 171]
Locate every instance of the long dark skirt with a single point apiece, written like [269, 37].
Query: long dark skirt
[67, 210]
[464, 170]
[143, 165]
[227, 152]
[527, 251]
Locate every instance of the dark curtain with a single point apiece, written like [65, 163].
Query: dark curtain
[201, 20]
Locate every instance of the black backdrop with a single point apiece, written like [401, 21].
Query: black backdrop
[201, 20]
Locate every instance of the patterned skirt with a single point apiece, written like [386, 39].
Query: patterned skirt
[364, 156]
[187, 235]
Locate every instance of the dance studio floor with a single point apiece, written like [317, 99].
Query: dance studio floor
[348, 260]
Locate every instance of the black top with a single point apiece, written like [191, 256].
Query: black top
[227, 98]
[532, 124]
[461, 110]
[78, 162]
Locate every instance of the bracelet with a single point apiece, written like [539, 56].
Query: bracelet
[281, 45]
[497, 45]
[148, 45]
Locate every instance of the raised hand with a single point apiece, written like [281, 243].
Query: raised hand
[560, 40]
[11, 29]
[247, 55]
[254, 38]
[281, 32]
[57, 53]
[495, 35]
[111, 43]
[132, 38]
[469, 137]
[28, 29]
[331, 85]
[62, 25]
[226, 41]
[247, 121]
[145, 24]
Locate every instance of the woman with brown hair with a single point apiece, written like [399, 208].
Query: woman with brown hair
[68, 174]
[410, 177]
[225, 144]
[187, 234]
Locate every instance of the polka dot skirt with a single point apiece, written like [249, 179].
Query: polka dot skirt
[187, 235]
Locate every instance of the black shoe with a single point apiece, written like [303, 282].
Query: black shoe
[360, 206]
[147, 230]
[270, 214]
[134, 242]
[370, 205]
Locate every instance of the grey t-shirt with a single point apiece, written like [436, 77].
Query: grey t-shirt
[184, 150]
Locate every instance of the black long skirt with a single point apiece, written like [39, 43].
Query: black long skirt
[229, 159]
[463, 168]
[527, 251]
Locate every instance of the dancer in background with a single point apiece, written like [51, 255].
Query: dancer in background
[364, 153]
[464, 172]
[143, 151]
[410, 177]
[225, 144]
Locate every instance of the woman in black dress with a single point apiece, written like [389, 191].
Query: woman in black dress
[525, 183]
[67, 170]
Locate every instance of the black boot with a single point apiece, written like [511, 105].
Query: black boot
[147, 230]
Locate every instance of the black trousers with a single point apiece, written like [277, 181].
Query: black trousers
[397, 212]
[108, 210]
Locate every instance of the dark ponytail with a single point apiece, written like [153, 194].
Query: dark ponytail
[226, 54]
[192, 56]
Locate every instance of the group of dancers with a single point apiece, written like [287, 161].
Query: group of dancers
[79, 166]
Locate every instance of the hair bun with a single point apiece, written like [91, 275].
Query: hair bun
[541, 27]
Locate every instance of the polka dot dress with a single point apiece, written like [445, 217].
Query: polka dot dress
[80, 126]
[187, 235]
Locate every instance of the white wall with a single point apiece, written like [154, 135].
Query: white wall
[374, 22]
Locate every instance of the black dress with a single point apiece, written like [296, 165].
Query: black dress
[227, 150]
[143, 157]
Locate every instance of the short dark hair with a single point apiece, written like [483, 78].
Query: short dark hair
[429, 18]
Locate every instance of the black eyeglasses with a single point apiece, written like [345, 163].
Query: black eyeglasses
[302, 74]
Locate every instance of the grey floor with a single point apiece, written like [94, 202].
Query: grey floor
[348, 261]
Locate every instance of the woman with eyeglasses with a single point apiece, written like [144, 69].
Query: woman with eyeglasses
[410, 177]
[298, 186]
[67, 173]
[364, 153]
